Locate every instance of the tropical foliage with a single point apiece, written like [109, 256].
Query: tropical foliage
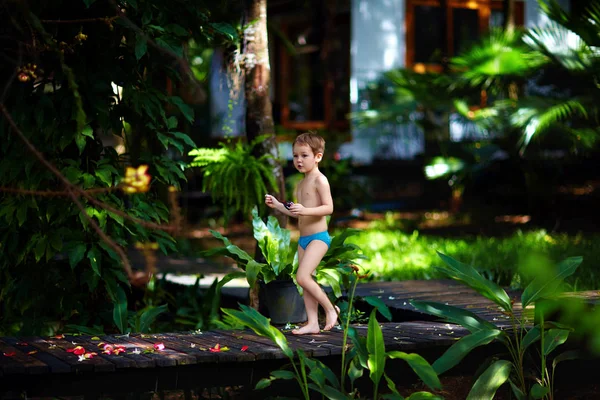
[517, 341]
[235, 176]
[86, 97]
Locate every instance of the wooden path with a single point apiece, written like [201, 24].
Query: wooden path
[42, 366]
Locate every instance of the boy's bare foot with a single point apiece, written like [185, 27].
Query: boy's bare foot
[332, 318]
[307, 330]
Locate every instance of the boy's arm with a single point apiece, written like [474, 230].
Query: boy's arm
[324, 193]
[277, 205]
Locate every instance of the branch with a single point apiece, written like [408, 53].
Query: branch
[80, 21]
[103, 236]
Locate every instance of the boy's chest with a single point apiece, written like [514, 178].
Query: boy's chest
[307, 192]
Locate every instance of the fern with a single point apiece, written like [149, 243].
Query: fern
[234, 176]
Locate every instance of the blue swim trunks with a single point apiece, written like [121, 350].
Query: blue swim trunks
[324, 237]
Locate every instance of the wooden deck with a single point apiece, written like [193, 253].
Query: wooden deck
[42, 366]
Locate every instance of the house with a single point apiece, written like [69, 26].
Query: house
[323, 56]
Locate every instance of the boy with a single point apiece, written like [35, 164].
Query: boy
[314, 204]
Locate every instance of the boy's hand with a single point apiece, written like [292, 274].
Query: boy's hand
[271, 201]
[297, 209]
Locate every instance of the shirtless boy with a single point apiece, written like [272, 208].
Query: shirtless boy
[314, 204]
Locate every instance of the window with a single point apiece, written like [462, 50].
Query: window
[313, 89]
[430, 29]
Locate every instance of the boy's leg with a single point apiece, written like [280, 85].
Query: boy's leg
[311, 258]
[311, 305]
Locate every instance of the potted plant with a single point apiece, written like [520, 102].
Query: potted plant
[275, 273]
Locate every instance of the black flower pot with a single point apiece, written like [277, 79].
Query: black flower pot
[283, 302]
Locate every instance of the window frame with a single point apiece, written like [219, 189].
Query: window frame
[484, 7]
[284, 77]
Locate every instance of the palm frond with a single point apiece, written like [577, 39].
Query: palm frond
[498, 56]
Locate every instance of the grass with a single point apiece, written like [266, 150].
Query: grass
[395, 254]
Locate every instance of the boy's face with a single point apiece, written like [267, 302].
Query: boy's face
[304, 158]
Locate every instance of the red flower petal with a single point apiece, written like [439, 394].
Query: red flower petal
[244, 348]
[10, 354]
[159, 346]
[78, 350]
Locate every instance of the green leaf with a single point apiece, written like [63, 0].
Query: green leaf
[22, 213]
[120, 310]
[460, 349]
[177, 30]
[392, 387]
[252, 270]
[532, 336]
[516, 391]
[565, 356]
[554, 338]
[76, 254]
[488, 383]
[252, 319]
[56, 241]
[225, 29]
[282, 374]
[80, 142]
[88, 3]
[149, 316]
[141, 46]
[542, 287]
[94, 256]
[183, 137]
[104, 175]
[376, 349]
[187, 111]
[468, 275]
[172, 123]
[88, 131]
[263, 383]
[454, 315]
[538, 391]
[421, 367]
[40, 248]
[379, 306]
[424, 396]
[360, 346]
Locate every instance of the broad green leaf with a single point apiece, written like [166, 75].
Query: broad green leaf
[88, 3]
[252, 319]
[40, 248]
[225, 29]
[282, 374]
[80, 142]
[379, 306]
[565, 356]
[376, 349]
[150, 315]
[104, 175]
[516, 391]
[22, 213]
[532, 336]
[538, 391]
[392, 387]
[252, 270]
[468, 275]
[329, 392]
[94, 256]
[183, 137]
[186, 110]
[424, 396]
[120, 310]
[455, 315]
[172, 123]
[88, 131]
[360, 346]
[421, 367]
[263, 383]
[355, 370]
[554, 338]
[542, 287]
[76, 254]
[460, 349]
[488, 383]
[56, 241]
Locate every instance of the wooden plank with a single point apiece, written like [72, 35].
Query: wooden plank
[234, 344]
[319, 345]
[55, 364]
[58, 350]
[21, 356]
[198, 348]
[172, 349]
[140, 360]
[262, 347]
[119, 360]
[167, 358]
[98, 364]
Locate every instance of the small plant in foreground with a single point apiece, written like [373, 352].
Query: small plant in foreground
[517, 340]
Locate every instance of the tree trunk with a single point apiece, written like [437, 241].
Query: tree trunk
[257, 75]
[509, 15]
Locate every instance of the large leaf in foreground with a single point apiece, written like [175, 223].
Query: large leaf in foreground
[421, 367]
[469, 276]
[493, 377]
[376, 349]
[454, 315]
[544, 286]
[460, 349]
[254, 320]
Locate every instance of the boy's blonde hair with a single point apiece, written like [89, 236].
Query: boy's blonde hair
[312, 140]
